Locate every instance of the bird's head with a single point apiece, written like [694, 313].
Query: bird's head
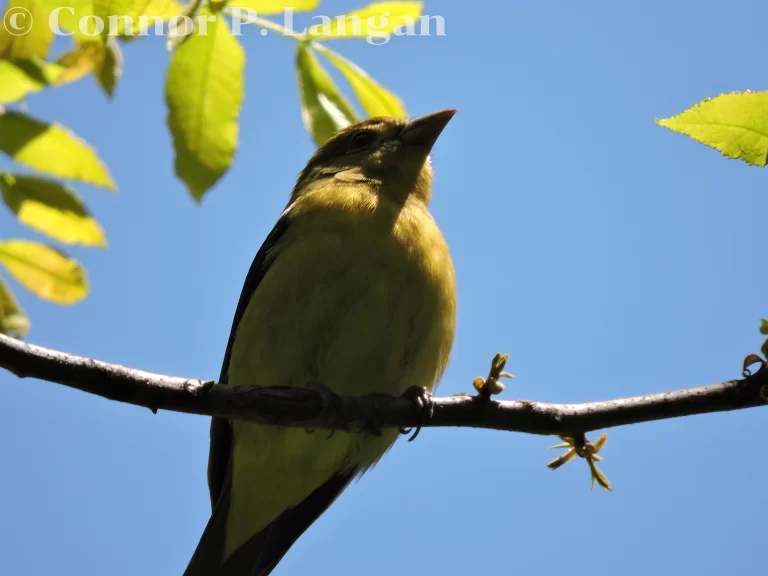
[392, 154]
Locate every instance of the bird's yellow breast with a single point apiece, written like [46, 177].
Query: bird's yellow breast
[360, 297]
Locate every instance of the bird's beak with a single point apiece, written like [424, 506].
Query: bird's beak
[424, 131]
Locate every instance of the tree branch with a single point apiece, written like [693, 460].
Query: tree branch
[316, 407]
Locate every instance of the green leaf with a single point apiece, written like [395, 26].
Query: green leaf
[127, 15]
[376, 20]
[73, 15]
[105, 9]
[155, 13]
[324, 109]
[51, 208]
[52, 149]
[178, 33]
[82, 60]
[164, 9]
[110, 68]
[374, 98]
[266, 7]
[103, 60]
[32, 36]
[204, 91]
[22, 77]
[735, 124]
[79, 17]
[13, 320]
[46, 272]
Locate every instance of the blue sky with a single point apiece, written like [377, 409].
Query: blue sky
[606, 255]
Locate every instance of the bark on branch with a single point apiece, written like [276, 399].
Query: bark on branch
[319, 408]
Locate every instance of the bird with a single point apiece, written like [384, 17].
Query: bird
[353, 289]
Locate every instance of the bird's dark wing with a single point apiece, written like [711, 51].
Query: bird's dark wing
[261, 553]
[264, 550]
[221, 430]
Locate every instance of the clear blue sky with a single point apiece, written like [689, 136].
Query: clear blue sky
[608, 256]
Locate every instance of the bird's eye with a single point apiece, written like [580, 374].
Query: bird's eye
[361, 140]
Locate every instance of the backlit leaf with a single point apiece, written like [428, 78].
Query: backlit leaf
[267, 7]
[22, 77]
[377, 20]
[46, 272]
[324, 109]
[75, 16]
[32, 35]
[374, 98]
[204, 91]
[50, 208]
[148, 18]
[110, 68]
[104, 60]
[80, 61]
[13, 320]
[52, 149]
[735, 124]
[121, 12]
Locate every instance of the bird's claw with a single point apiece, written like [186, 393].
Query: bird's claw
[370, 428]
[330, 399]
[422, 399]
[748, 361]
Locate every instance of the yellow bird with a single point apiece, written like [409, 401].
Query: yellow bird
[353, 289]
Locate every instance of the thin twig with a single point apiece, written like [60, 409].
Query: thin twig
[314, 407]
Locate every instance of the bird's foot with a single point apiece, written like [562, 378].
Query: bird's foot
[422, 399]
[578, 445]
[371, 428]
[331, 402]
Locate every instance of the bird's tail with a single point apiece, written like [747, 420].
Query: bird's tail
[206, 560]
[259, 555]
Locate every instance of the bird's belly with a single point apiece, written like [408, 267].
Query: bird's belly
[371, 322]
